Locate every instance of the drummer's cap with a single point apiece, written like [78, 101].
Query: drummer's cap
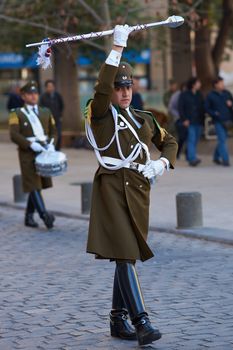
[30, 88]
[124, 76]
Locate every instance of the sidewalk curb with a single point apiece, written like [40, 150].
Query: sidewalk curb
[187, 233]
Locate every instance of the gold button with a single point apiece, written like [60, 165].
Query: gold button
[132, 146]
[140, 186]
[127, 183]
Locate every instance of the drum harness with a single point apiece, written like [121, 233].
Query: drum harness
[124, 162]
[37, 128]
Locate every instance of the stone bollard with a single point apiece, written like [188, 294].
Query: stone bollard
[19, 195]
[189, 210]
[86, 192]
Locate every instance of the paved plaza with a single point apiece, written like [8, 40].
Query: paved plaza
[56, 297]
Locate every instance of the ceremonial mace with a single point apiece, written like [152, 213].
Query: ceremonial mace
[45, 45]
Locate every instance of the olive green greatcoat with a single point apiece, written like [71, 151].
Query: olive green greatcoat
[20, 129]
[119, 216]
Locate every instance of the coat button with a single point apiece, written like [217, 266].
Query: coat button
[140, 186]
[127, 183]
[132, 146]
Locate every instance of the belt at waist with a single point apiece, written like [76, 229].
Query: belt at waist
[35, 139]
[131, 165]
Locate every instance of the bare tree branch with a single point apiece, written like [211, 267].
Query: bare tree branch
[91, 11]
[32, 24]
[48, 28]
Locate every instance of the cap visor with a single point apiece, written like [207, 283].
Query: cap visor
[123, 83]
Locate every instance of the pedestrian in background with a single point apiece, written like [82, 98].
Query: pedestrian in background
[191, 110]
[219, 105]
[137, 101]
[53, 100]
[14, 100]
[173, 86]
[173, 109]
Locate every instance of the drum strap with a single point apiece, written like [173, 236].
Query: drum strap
[35, 123]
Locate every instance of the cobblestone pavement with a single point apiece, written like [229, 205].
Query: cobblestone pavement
[55, 296]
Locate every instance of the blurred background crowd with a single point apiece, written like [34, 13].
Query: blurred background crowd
[185, 76]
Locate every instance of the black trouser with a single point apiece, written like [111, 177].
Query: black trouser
[35, 201]
[129, 292]
[59, 134]
[182, 133]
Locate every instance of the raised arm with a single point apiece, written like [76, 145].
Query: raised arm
[105, 83]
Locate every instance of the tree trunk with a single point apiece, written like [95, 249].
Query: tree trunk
[204, 62]
[66, 78]
[181, 53]
[224, 30]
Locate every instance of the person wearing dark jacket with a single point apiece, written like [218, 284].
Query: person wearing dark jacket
[15, 100]
[191, 110]
[53, 100]
[219, 105]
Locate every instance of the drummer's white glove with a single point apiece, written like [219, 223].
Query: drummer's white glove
[36, 147]
[154, 168]
[120, 35]
[50, 147]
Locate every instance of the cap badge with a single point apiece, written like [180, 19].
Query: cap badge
[124, 77]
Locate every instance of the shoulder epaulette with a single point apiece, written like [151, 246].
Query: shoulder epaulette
[88, 111]
[161, 130]
[13, 118]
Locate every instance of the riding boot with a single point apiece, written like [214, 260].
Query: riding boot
[38, 202]
[119, 327]
[29, 220]
[132, 295]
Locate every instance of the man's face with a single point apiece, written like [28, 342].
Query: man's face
[220, 85]
[50, 88]
[197, 85]
[122, 96]
[31, 98]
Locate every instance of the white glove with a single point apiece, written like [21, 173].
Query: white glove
[36, 147]
[153, 168]
[50, 147]
[121, 34]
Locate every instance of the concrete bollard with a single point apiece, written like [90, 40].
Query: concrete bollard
[19, 195]
[86, 192]
[189, 210]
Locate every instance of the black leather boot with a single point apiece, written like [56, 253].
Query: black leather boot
[146, 334]
[119, 327]
[29, 220]
[132, 295]
[48, 219]
[38, 202]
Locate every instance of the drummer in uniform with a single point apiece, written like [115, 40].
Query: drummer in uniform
[31, 128]
[119, 217]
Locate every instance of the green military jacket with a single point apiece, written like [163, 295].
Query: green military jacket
[119, 216]
[20, 130]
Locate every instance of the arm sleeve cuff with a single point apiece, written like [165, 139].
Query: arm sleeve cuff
[113, 58]
[167, 163]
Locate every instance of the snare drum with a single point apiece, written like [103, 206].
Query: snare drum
[51, 163]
